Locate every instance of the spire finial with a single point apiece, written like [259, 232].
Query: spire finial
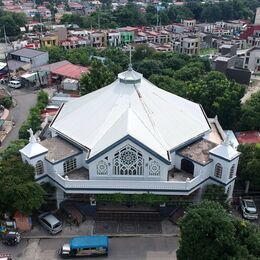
[130, 58]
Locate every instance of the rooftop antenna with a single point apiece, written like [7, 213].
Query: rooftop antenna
[130, 58]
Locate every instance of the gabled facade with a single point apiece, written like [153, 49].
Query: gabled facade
[133, 137]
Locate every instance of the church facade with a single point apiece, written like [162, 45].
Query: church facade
[133, 137]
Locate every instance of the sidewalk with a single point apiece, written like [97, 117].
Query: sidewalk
[88, 228]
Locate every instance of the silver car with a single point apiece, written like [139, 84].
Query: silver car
[50, 223]
[248, 208]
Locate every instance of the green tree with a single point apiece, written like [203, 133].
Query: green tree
[6, 102]
[56, 53]
[250, 116]
[19, 190]
[248, 166]
[208, 232]
[12, 150]
[129, 15]
[20, 19]
[34, 118]
[215, 193]
[149, 67]
[99, 76]
[169, 84]
[11, 28]
[142, 51]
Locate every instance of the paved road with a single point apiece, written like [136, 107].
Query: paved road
[163, 248]
[24, 99]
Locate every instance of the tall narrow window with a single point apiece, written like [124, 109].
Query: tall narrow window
[39, 168]
[69, 165]
[218, 170]
[232, 171]
[154, 168]
[128, 161]
[102, 167]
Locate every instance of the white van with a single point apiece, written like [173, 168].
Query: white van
[14, 84]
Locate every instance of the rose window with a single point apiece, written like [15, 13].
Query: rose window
[128, 161]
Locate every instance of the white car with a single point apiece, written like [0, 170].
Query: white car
[14, 84]
[248, 208]
[50, 222]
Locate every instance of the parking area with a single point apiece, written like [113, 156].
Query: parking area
[127, 227]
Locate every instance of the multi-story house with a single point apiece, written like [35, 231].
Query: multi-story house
[190, 45]
[113, 38]
[252, 59]
[49, 40]
[98, 39]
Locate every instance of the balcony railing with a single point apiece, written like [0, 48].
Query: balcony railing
[134, 185]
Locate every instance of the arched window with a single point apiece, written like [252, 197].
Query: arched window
[218, 170]
[128, 161]
[69, 165]
[39, 168]
[232, 171]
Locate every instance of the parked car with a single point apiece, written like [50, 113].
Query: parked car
[14, 84]
[248, 208]
[50, 223]
[11, 238]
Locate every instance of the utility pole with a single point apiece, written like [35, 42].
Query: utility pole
[98, 20]
[6, 58]
[157, 18]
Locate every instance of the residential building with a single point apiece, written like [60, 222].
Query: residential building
[252, 59]
[27, 57]
[190, 45]
[98, 39]
[189, 22]
[113, 38]
[49, 40]
[229, 63]
[123, 138]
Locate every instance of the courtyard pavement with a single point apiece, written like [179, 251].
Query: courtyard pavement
[110, 228]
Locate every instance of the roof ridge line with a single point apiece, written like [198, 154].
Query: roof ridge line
[146, 109]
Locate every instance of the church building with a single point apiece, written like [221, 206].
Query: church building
[133, 137]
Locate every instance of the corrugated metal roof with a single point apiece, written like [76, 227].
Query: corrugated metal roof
[27, 52]
[52, 66]
[156, 118]
[70, 71]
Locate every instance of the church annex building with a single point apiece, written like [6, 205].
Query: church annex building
[133, 137]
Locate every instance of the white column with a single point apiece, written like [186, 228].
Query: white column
[59, 197]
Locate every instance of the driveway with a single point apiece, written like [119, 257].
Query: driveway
[24, 100]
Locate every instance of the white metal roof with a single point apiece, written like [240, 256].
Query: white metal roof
[131, 106]
[225, 150]
[33, 149]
